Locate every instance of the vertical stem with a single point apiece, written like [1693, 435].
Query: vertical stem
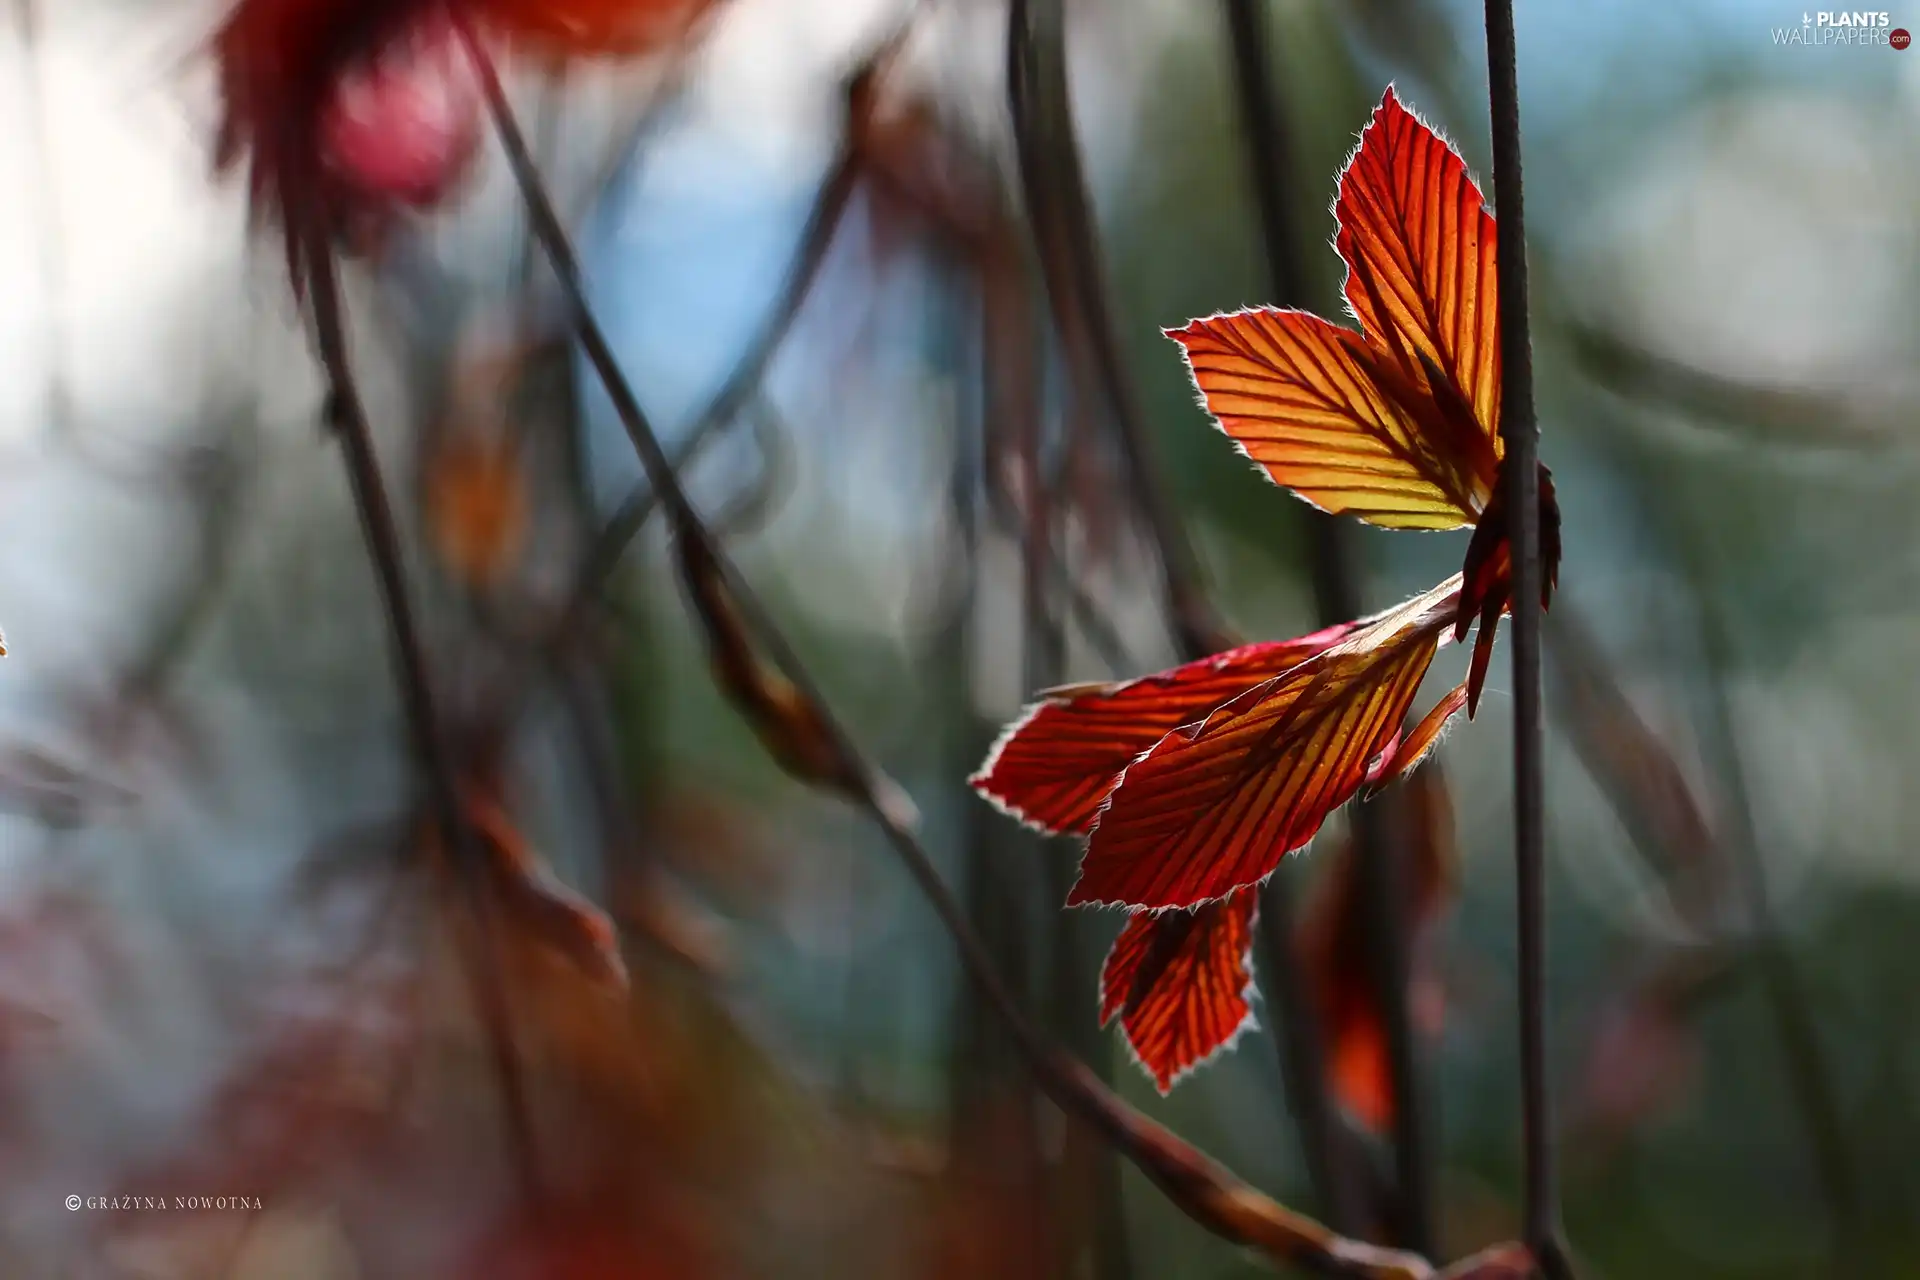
[1337, 598]
[1521, 433]
[348, 418]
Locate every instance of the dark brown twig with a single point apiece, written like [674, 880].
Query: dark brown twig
[347, 418]
[1521, 433]
[1208, 1193]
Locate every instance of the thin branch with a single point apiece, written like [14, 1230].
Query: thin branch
[1069, 247]
[1203, 1189]
[1521, 432]
[347, 417]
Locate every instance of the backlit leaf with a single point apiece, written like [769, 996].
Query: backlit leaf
[1054, 765]
[1300, 396]
[1419, 247]
[1214, 806]
[1179, 982]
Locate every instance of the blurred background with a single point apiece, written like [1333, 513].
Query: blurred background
[870, 326]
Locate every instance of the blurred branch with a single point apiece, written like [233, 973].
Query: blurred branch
[1203, 1189]
[1097, 626]
[1521, 432]
[1068, 242]
[1634, 769]
[1785, 414]
[751, 506]
[347, 417]
[1337, 598]
[1807, 1072]
[745, 380]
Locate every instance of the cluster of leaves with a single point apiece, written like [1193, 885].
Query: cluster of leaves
[1192, 784]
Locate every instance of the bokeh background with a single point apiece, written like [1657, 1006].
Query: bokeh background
[228, 939]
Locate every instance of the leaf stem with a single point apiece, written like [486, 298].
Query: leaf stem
[1521, 433]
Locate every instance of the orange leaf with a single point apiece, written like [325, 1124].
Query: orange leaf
[1300, 396]
[1419, 247]
[1055, 764]
[1411, 750]
[1179, 982]
[477, 508]
[1214, 806]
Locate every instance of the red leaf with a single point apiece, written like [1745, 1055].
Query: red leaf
[1215, 805]
[1419, 247]
[1055, 764]
[1179, 982]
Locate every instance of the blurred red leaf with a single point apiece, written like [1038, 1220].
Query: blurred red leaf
[1333, 944]
[1215, 805]
[562, 29]
[1643, 1056]
[342, 111]
[607, 1234]
[405, 126]
[1053, 766]
[1180, 982]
